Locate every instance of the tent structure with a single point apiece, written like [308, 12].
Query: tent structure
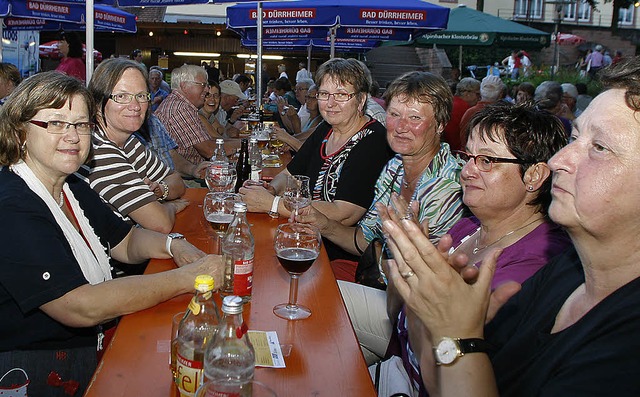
[469, 27]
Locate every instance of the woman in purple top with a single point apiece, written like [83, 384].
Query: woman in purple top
[505, 182]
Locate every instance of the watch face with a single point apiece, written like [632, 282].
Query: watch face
[447, 351]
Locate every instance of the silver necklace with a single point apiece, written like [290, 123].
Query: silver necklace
[61, 200]
[477, 249]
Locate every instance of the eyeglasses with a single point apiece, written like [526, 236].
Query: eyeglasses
[312, 96]
[483, 162]
[60, 127]
[125, 97]
[302, 89]
[337, 96]
[203, 85]
[210, 95]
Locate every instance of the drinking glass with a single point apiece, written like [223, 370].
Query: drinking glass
[297, 246]
[220, 178]
[175, 324]
[218, 210]
[297, 194]
[234, 387]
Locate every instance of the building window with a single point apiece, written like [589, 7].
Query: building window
[531, 9]
[626, 15]
[579, 10]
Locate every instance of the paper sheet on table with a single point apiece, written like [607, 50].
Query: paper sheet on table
[267, 348]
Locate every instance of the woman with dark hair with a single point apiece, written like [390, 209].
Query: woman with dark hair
[71, 64]
[524, 92]
[57, 295]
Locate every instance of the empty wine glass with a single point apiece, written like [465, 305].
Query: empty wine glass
[218, 210]
[297, 246]
[220, 178]
[297, 194]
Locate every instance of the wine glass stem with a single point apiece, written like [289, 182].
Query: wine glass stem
[293, 290]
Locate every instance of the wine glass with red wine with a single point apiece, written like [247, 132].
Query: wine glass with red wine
[297, 246]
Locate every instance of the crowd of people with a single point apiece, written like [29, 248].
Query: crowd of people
[483, 239]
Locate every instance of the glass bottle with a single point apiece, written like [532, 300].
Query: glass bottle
[197, 328]
[243, 168]
[255, 159]
[230, 355]
[219, 155]
[238, 248]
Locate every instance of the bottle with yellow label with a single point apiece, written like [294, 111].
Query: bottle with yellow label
[196, 329]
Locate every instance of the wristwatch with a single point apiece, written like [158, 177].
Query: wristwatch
[170, 238]
[448, 350]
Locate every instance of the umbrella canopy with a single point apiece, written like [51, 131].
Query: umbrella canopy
[469, 27]
[569, 39]
[349, 19]
[50, 50]
[106, 18]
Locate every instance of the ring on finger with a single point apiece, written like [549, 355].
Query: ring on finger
[408, 274]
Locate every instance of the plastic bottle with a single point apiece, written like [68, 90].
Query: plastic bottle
[230, 355]
[219, 155]
[255, 159]
[238, 248]
[196, 330]
[243, 168]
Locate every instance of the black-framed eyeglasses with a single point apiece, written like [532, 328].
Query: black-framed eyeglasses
[210, 95]
[59, 127]
[337, 96]
[203, 85]
[125, 97]
[484, 162]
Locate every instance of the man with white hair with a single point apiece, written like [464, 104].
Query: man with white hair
[179, 113]
[548, 97]
[292, 120]
[596, 60]
[570, 97]
[491, 89]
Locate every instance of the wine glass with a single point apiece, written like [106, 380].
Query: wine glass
[297, 194]
[297, 246]
[218, 210]
[221, 178]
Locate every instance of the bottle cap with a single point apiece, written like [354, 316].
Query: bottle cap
[219, 141]
[204, 283]
[240, 207]
[232, 304]
[253, 140]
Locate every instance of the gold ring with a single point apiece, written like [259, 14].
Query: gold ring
[408, 274]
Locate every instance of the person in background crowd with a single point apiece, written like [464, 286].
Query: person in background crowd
[617, 57]
[569, 97]
[285, 95]
[136, 55]
[375, 94]
[584, 99]
[303, 73]
[244, 82]
[548, 96]
[606, 59]
[163, 84]
[9, 80]
[491, 89]
[525, 92]
[467, 94]
[313, 121]
[157, 93]
[342, 158]
[526, 63]
[208, 112]
[282, 71]
[266, 77]
[595, 61]
[71, 64]
[137, 185]
[213, 73]
[510, 61]
[58, 235]
[179, 113]
[295, 121]
[229, 113]
[572, 328]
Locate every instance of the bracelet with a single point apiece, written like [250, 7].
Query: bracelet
[355, 241]
[274, 207]
[165, 190]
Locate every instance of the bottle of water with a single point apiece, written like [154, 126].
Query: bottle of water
[238, 248]
[230, 355]
[255, 159]
[196, 330]
[219, 155]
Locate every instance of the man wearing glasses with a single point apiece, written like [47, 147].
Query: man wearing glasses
[179, 113]
[229, 113]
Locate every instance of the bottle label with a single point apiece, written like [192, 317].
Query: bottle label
[243, 277]
[256, 175]
[188, 375]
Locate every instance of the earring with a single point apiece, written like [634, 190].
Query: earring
[530, 188]
[23, 148]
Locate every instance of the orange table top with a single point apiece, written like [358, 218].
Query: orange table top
[324, 359]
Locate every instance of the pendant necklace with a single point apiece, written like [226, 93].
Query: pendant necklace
[477, 249]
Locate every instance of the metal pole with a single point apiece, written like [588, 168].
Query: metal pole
[90, 15]
[332, 53]
[1, 37]
[259, 60]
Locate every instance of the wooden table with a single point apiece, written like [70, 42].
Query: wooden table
[325, 359]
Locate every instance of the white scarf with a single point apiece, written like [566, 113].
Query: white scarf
[93, 261]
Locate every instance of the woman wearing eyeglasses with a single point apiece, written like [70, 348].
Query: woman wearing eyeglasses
[342, 158]
[507, 186]
[57, 296]
[138, 186]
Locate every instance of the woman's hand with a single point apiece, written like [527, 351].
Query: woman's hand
[257, 198]
[177, 204]
[184, 252]
[310, 214]
[432, 289]
[208, 264]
